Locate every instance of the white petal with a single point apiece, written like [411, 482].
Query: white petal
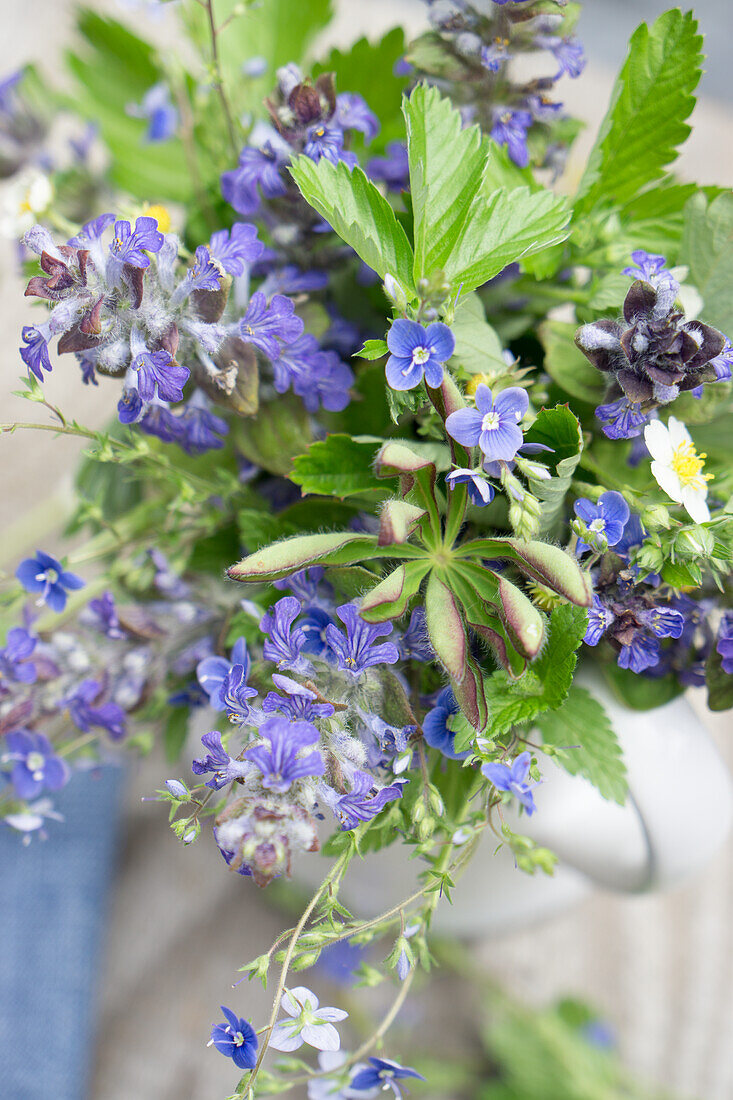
[696, 505]
[333, 1015]
[657, 440]
[296, 999]
[678, 433]
[285, 1039]
[322, 1036]
[667, 480]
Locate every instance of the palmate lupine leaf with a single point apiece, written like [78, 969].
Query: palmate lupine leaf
[463, 225]
[582, 728]
[646, 120]
[356, 210]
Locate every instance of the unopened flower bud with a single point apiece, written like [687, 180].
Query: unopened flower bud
[655, 516]
[395, 292]
[176, 788]
[695, 542]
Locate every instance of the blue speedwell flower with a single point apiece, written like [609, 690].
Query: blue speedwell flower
[46, 576]
[357, 649]
[14, 663]
[308, 1024]
[724, 644]
[417, 352]
[236, 1039]
[34, 765]
[605, 521]
[480, 491]
[157, 109]
[383, 1074]
[279, 759]
[512, 778]
[435, 726]
[493, 424]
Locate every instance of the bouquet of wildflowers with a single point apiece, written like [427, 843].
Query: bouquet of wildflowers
[403, 427]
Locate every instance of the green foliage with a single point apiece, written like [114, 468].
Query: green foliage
[707, 248]
[646, 120]
[719, 683]
[339, 466]
[463, 226]
[581, 728]
[641, 692]
[175, 732]
[478, 348]
[273, 441]
[358, 212]
[559, 429]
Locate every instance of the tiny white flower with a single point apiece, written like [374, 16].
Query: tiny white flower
[23, 200]
[310, 1024]
[677, 467]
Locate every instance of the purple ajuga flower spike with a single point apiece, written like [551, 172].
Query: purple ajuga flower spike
[299, 365]
[308, 1024]
[204, 275]
[158, 374]
[393, 168]
[495, 54]
[129, 246]
[14, 663]
[357, 649]
[46, 576]
[414, 644]
[352, 113]
[156, 107]
[324, 140]
[512, 778]
[258, 168]
[651, 268]
[268, 327]
[605, 521]
[599, 619]
[278, 760]
[236, 249]
[724, 644]
[510, 129]
[225, 768]
[236, 1039]
[102, 615]
[480, 491]
[417, 352]
[212, 672]
[304, 584]
[130, 407]
[92, 230]
[493, 424]
[35, 353]
[382, 1074]
[298, 703]
[284, 643]
[364, 801]
[34, 765]
[621, 419]
[435, 726]
[86, 714]
[722, 364]
[200, 429]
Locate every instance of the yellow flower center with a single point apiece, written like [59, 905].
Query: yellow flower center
[161, 214]
[475, 381]
[688, 465]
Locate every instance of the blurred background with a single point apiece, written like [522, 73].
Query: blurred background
[660, 967]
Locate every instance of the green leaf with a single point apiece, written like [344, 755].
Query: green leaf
[174, 733]
[707, 249]
[557, 428]
[274, 440]
[478, 347]
[719, 683]
[645, 122]
[464, 226]
[390, 598]
[334, 548]
[566, 364]
[358, 212]
[582, 728]
[338, 466]
[373, 349]
[546, 683]
[641, 692]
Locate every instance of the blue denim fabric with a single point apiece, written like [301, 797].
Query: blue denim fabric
[52, 914]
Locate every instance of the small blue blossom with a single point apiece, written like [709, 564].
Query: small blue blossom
[35, 353]
[199, 429]
[480, 491]
[35, 767]
[291, 280]
[510, 129]
[268, 327]
[308, 1024]
[724, 644]
[258, 168]
[599, 619]
[352, 113]
[414, 643]
[512, 778]
[493, 424]
[393, 168]
[314, 623]
[621, 419]
[213, 672]
[279, 761]
[417, 352]
[14, 663]
[722, 364]
[495, 54]
[299, 703]
[176, 788]
[101, 613]
[129, 246]
[436, 727]
[157, 108]
[86, 712]
[649, 267]
[46, 576]
[383, 1074]
[305, 585]
[204, 275]
[357, 649]
[236, 1039]
[323, 140]
[237, 248]
[225, 768]
[568, 52]
[364, 801]
[92, 230]
[159, 375]
[605, 521]
[236, 694]
[130, 407]
[284, 643]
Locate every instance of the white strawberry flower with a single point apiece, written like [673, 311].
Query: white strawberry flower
[677, 467]
[23, 200]
[309, 1024]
